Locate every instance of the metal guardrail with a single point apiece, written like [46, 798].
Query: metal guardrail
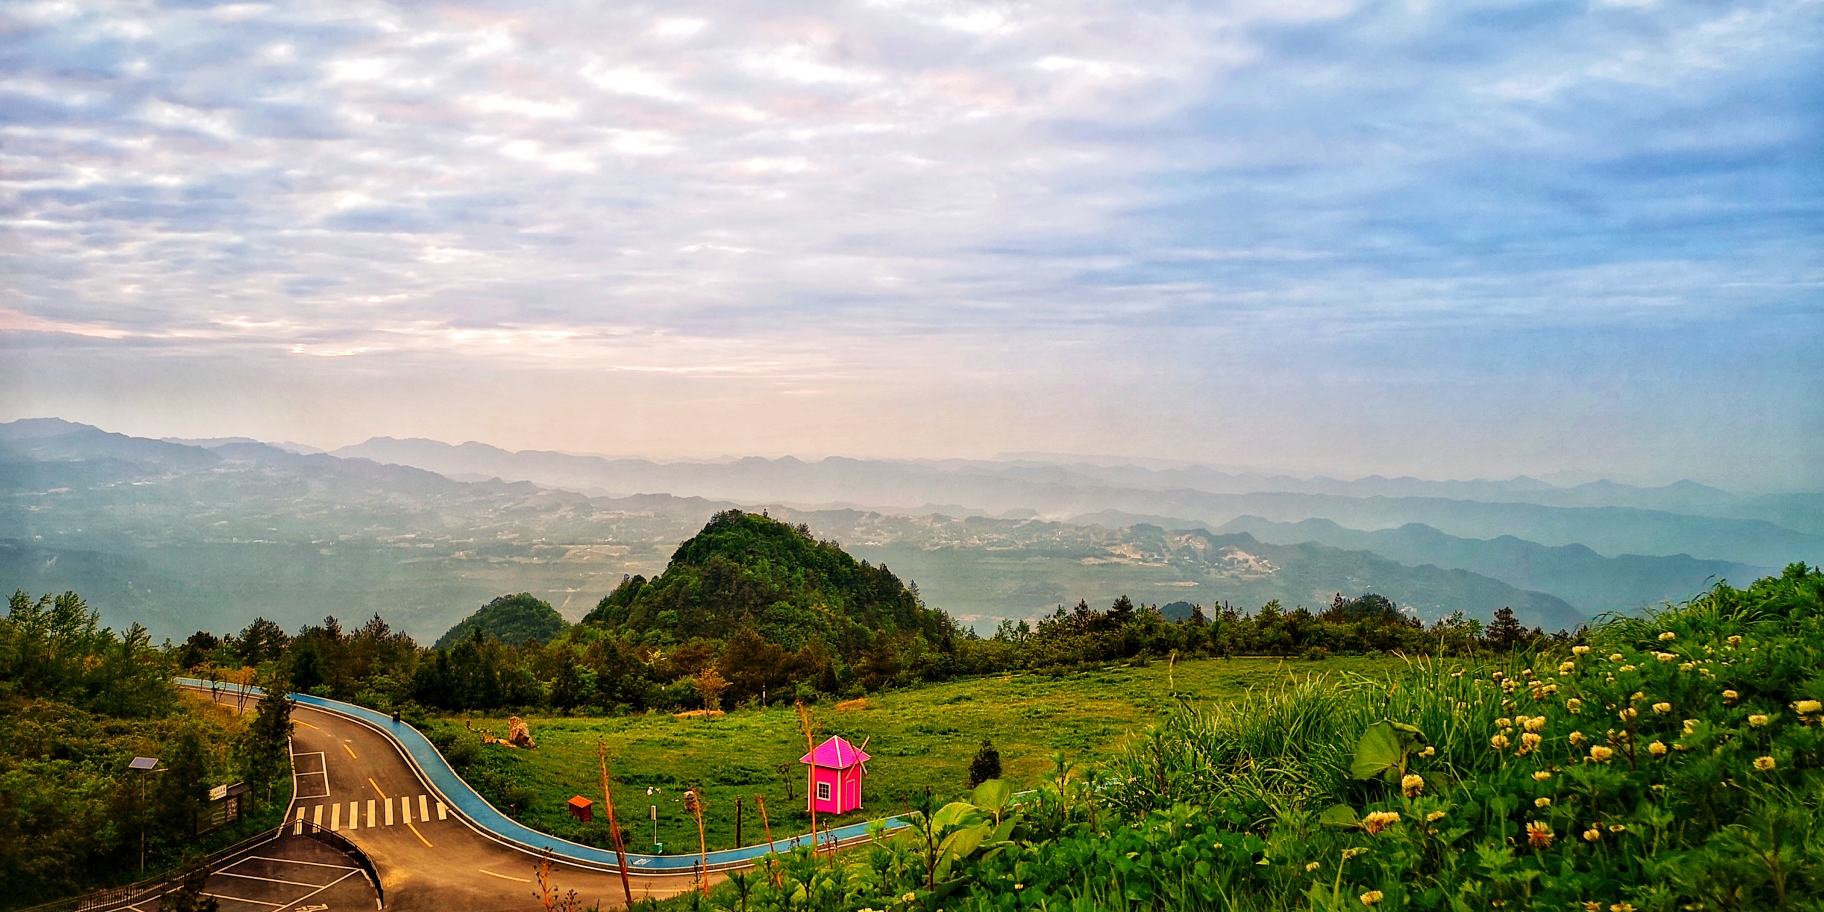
[342, 844]
[115, 897]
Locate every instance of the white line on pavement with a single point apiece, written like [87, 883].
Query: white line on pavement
[424, 810]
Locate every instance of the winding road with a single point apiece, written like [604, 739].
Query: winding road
[436, 843]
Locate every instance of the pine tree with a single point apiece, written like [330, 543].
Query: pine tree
[1505, 632]
[265, 746]
[986, 765]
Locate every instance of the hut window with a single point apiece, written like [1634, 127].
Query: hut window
[823, 791]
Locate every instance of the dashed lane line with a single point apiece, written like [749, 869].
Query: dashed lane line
[376, 785]
[351, 752]
[427, 842]
[307, 725]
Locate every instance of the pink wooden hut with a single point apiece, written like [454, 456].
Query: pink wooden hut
[835, 777]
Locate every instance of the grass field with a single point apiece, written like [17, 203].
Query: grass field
[918, 737]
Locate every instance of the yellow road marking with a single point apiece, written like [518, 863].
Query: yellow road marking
[502, 876]
[307, 725]
[376, 785]
[351, 752]
[427, 842]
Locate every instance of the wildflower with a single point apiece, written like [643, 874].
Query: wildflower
[1351, 853]
[1621, 907]
[1529, 742]
[1627, 668]
[1657, 748]
[909, 897]
[1662, 708]
[1807, 707]
[1690, 727]
[1312, 867]
[1434, 816]
[1576, 739]
[1616, 827]
[1729, 697]
[1539, 834]
[1370, 898]
[1665, 658]
[1602, 754]
[1757, 720]
[1668, 637]
[1617, 657]
[1499, 742]
[1593, 834]
[1628, 713]
[1377, 821]
[1735, 641]
[1686, 666]
[1429, 751]
[1536, 723]
[1574, 705]
[1591, 906]
[1764, 764]
[1504, 722]
[1412, 785]
[1567, 667]
[1580, 650]
[1542, 775]
[1542, 803]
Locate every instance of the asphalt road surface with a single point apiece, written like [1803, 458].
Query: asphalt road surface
[354, 781]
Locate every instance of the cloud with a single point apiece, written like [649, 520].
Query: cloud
[533, 182]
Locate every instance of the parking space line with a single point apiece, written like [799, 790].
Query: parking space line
[257, 902]
[294, 883]
[326, 886]
[314, 864]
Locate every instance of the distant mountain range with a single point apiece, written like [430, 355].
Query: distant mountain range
[1608, 518]
[181, 536]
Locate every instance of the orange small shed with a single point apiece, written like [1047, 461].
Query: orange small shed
[581, 808]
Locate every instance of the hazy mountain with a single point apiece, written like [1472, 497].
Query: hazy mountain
[240, 529]
[1069, 490]
[1589, 581]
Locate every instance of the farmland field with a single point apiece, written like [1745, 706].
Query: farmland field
[917, 737]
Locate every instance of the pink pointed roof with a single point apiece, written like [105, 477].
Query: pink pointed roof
[835, 754]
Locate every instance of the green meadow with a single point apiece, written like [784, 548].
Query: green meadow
[917, 737]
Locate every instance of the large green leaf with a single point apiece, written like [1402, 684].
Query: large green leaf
[993, 795]
[1341, 816]
[1378, 751]
[956, 813]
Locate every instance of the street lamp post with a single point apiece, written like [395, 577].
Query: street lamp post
[145, 766]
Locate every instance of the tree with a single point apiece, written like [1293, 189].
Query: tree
[265, 747]
[567, 686]
[986, 765]
[261, 641]
[183, 790]
[1505, 632]
[189, 896]
[711, 685]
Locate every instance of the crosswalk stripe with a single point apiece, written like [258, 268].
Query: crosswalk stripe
[317, 818]
[424, 810]
[300, 826]
[405, 809]
[389, 813]
[354, 814]
[370, 813]
[335, 817]
[440, 810]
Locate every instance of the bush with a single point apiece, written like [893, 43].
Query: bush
[986, 765]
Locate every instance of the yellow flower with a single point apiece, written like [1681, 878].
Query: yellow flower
[1504, 722]
[1576, 739]
[1412, 785]
[1580, 650]
[1536, 723]
[1764, 764]
[1499, 742]
[1574, 705]
[1757, 720]
[1539, 834]
[1429, 751]
[1592, 834]
[1617, 657]
[1735, 641]
[1668, 637]
[909, 897]
[1311, 867]
[1657, 748]
[1529, 742]
[1434, 816]
[1377, 821]
[1566, 668]
[1807, 707]
[1602, 754]
[1627, 668]
[1592, 906]
[1686, 666]
[1616, 827]
[1621, 907]
[1665, 658]
[1542, 802]
[1351, 853]
[1628, 712]
[1729, 697]
[1662, 708]
[1690, 726]
[1372, 897]
[1542, 775]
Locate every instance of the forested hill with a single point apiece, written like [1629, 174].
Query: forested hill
[749, 570]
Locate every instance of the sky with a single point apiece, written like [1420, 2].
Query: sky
[1560, 239]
